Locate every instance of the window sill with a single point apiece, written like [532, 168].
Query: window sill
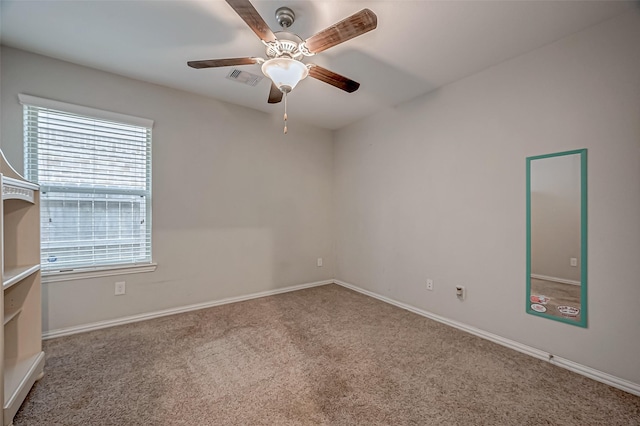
[82, 274]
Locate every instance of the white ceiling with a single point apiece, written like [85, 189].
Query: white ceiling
[417, 47]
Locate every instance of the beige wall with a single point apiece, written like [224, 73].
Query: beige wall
[238, 208]
[435, 188]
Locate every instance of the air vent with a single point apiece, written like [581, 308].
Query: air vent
[244, 77]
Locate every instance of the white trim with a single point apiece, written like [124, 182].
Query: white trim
[20, 183]
[617, 382]
[83, 110]
[597, 375]
[554, 279]
[83, 274]
[157, 314]
[17, 189]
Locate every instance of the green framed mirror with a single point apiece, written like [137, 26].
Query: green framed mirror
[557, 236]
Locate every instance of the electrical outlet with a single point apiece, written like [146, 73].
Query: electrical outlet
[120, 288]
[461, 292]
[429, 284]
[573, 261]
[319, 262]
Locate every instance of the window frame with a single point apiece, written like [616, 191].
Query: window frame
[84, 272]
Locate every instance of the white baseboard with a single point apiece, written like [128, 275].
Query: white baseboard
[617, 382]
[51, 334]
[592, 373]
[555, 279]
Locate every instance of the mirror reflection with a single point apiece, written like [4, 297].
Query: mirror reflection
[556, 264]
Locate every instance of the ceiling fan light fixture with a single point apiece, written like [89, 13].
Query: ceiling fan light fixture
[285, 68]
[285, 73]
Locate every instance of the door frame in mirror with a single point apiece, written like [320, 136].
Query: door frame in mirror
[583, 238]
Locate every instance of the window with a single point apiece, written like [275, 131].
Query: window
[94, 172]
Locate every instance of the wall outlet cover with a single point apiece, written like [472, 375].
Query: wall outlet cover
[429, 284]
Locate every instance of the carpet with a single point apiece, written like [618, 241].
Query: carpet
[324, 355]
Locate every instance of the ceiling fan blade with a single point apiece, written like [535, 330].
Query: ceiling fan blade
[275, 95]
[250, 15]
[213, 63]
[353, 26]
[330, 77]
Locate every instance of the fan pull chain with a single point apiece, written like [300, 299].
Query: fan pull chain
[285, 113]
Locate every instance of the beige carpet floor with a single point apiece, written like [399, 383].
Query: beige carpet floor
[324, 355]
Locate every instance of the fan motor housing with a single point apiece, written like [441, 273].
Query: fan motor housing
[288, 45]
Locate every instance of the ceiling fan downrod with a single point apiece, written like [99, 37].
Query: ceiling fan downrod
[285, 17]
[285, 50]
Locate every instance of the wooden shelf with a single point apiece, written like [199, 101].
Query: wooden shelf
[22, 361]
[9, 317]
[17, 274]
[19, 377]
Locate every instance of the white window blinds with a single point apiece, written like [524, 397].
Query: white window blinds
[95, 181]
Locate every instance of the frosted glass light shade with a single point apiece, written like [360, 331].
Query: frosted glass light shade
[285, 73]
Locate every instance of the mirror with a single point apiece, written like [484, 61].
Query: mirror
[557, 236]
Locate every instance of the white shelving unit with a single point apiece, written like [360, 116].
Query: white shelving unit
[21, 336]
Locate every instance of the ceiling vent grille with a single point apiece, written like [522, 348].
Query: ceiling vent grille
[244, 77]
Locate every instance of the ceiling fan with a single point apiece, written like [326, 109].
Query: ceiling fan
[285, 51]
